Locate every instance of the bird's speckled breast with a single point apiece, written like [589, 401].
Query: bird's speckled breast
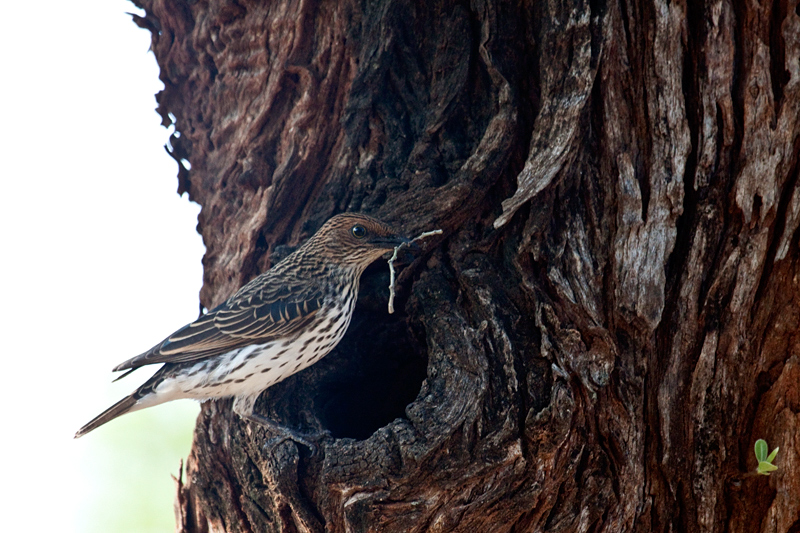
[256, 367]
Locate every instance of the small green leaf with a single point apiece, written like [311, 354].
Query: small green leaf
[772, 455]
[761, 450]
[764, 468]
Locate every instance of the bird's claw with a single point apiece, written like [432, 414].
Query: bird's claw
[284, 434]
[300, 438]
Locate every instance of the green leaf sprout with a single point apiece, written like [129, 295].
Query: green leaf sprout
[765, 465]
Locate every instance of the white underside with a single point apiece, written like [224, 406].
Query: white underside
[250, 370]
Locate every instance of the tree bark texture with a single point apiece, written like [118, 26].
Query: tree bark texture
[607, 323]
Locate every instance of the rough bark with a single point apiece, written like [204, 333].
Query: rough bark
[609, 320]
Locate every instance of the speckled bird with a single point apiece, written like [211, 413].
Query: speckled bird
[281, 322]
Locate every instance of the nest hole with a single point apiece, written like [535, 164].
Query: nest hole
[376, 372]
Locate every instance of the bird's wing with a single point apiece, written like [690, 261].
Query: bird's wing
[257, 314]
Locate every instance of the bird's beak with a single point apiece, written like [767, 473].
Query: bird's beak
[390, 242]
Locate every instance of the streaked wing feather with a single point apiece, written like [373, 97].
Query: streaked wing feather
[248, 317]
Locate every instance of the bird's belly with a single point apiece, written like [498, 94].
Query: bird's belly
[257, 367]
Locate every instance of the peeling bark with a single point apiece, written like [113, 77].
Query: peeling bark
[609, 320]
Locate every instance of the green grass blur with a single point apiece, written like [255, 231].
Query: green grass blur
[128, 468]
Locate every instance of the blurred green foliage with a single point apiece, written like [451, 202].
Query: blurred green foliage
[129, 468]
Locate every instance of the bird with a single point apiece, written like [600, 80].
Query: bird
[281, 322]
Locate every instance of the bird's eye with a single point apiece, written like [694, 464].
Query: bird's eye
[359, 232]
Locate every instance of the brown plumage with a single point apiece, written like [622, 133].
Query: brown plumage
[279, 323]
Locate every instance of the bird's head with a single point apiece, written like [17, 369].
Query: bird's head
[355, 241]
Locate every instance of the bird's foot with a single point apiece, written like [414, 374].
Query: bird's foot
[284, 434]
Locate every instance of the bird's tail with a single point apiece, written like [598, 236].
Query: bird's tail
[125, 405]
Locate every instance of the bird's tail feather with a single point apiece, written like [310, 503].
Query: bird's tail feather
[125, 405]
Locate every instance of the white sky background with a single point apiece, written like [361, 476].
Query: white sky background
[99, 261]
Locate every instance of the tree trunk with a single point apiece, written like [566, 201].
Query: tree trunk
[609, 320]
